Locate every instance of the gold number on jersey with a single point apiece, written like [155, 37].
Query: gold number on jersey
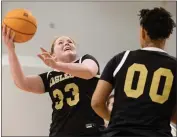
[75, 93]
[71, 102]
[167, 87]
[135, 93]
[58, 94]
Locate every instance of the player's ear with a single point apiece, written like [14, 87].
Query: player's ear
[143, 33]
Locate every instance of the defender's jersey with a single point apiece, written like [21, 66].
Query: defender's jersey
[145, 92]
[71, 97]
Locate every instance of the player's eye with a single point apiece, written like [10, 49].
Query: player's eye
[60, 43]
[69, 41]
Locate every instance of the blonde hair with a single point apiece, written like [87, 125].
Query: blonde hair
[53, 43]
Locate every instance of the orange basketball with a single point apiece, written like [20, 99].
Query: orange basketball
[22, 22]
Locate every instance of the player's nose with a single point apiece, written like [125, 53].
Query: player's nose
[66, 44]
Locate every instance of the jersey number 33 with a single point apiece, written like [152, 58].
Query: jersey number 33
[68, 88]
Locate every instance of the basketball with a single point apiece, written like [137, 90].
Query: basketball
[22, 22]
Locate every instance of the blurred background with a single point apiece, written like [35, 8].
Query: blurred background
[101, 29]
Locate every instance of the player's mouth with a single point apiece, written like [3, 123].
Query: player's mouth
[67, 48]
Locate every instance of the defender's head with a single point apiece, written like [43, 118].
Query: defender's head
[156, 26]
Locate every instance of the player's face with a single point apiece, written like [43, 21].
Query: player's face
[110, 105]
[64, 48]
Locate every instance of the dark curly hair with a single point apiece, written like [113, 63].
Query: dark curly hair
[157, 22]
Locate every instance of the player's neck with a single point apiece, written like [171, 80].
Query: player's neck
[156, 44]
[153, 48]
[159, 46]
[69, 59]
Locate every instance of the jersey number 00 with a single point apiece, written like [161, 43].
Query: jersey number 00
[135, 93]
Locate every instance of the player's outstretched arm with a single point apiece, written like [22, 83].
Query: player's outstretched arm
[26, 83]
[86, 70]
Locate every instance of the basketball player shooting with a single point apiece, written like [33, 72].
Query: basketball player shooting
[70, 85]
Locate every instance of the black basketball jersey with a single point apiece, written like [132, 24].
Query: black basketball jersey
[71, 97]
[145, 92]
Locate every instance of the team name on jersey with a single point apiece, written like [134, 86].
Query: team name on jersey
[59, 78]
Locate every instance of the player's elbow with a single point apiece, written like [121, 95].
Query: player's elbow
[21, 86]
[90, 74]
[95, 104]
[27, 88]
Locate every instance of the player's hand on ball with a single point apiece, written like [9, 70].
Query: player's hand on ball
[47, 58]
[8, 40]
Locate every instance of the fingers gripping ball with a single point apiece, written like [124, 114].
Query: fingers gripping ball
[22, 22]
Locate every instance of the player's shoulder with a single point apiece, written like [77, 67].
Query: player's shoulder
[120, 53]
[119, 56]
[52, 73]
[173, 61]
[87, 56]
[172, 58]
[161, 55]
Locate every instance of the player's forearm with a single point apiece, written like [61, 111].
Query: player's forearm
[75, 69]
[16, 70]
[102, 111]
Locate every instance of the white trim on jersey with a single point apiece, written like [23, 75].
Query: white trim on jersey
[48, 74]
[80, 60]
[153, 49]
[121, 62]
[173, 129]
[98, 76]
